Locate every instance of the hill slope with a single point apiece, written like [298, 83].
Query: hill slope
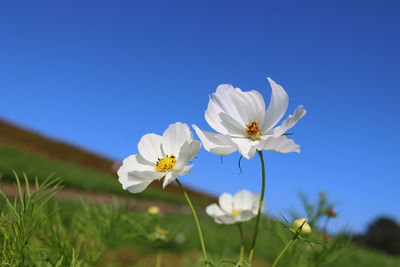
[25, 150]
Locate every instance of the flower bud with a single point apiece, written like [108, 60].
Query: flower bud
[153, 210]
[330, 213]
[301, 226]
[161, 232]
[158, 234]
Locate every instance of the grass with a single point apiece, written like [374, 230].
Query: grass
[273, 237]
[37, 230]
[122, 248]
[77, 233]
[34, 165]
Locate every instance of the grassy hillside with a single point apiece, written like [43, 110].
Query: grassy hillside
[24, 150]
[39, 144]
[14, 159]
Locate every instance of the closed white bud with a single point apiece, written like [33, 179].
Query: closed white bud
[153, 210]
[302, 226]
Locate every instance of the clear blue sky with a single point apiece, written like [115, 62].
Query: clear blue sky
[100, 74]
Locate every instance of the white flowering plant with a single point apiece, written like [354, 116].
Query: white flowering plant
[241, 207]
[33, 232]
[243, 124]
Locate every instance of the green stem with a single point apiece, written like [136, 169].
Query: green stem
[203, 247]
[283, 251]
[253, 243]
[325, 225]
[159, 258]
[242, 240]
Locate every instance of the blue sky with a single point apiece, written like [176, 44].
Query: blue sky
[100, 74]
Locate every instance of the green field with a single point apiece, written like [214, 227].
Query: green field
[73, 176]
[77, 233]
[223, 243]
[109, 235]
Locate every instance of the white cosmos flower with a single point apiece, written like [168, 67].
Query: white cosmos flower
[159, 157]
[241, 207]
[243, 123]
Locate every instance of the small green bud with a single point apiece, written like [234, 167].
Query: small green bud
[301, 226]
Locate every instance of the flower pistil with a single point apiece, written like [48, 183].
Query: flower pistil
[235, 212]
[253, 130]
[166, 163]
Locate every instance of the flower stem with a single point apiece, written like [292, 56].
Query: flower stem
[325, 225]
[159, 258]
[283, 251]
[242, 245]
[253, 243]
[203, 247]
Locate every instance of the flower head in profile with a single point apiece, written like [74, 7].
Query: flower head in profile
[243, 124]
[241, 207]
[159, 157]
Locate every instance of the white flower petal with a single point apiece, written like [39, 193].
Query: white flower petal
[131, 163]
[145, 175]
[135, 162]
[289, 122]
[212, 117]
[246, 147]
[243, 107]
[172, 175]
[281, 144]
[245, 215]
[256, 203]
[134, 186]
[226, 219]
[258, 104]
[233, 127]
[137, 187]
[243, 200]
[169, 177]
[150, 147]
[226, 202]
[250, 106]
[224, 99]
[123, 179]
[277, 106]
[215, 143]
[174, 137]
[187, 152]
[214, 210]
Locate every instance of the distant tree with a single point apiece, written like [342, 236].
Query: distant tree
[384, 234]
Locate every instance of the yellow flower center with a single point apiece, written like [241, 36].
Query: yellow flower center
[253, 131]
[165, 164]
[235, 212]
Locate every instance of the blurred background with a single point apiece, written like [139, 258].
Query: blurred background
[82, 81]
